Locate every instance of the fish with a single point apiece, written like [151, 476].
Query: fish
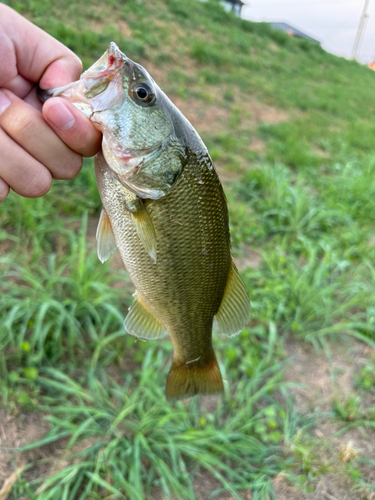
[165, 210]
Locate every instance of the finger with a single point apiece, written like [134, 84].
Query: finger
[4, 190]
[39, 56]
[72, 126]
[25, 125]
[32, 99]
[9, 77]
[23, 173]
[19, 86]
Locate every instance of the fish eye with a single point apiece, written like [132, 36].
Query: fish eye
[143, 94]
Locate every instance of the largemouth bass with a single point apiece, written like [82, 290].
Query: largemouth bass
[164, 209]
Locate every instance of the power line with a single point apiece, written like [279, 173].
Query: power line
[360, 29]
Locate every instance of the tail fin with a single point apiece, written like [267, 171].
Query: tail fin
[186, 380]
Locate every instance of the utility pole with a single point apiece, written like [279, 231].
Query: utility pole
[360, 29]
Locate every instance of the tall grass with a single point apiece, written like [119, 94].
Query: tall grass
[125, 440]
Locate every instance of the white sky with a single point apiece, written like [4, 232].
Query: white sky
[333, 22]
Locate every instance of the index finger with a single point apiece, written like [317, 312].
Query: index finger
[40, 58]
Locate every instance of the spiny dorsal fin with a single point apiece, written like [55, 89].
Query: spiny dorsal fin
[234, 310]
[141, 323]
[106, 240]
[145, 229]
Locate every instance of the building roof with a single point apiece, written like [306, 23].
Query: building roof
[287, 28]
[236, 2]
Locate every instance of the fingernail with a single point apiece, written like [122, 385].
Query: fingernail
[4, 102]
[60, 116]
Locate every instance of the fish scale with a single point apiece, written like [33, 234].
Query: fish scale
[183, 290]
[165, 210]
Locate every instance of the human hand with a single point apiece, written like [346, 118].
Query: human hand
[38, 144]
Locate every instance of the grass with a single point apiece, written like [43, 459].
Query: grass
[303, 202]
[135, 441]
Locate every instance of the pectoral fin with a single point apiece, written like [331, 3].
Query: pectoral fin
[145, 229]
[106, 240]
[234, 310]
[141, 323]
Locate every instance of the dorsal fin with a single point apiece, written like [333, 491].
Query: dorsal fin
[141, 323]
[234, 310]
[106, 240]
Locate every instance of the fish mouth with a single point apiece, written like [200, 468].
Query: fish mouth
[92, 83]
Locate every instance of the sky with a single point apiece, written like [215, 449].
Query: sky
[333, 22]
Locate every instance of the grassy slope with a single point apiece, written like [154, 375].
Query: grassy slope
[291, 127]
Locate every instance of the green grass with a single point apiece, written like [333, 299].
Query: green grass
[304, 202]
[136, 441]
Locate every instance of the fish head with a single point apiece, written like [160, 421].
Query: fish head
[121, 99]
[146, 140]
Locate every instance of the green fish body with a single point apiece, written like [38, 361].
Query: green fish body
[164, 209]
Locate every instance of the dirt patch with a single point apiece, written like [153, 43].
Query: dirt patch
[214, 119]
[273, 46]
[264, 113]
[326, 381]
[284, 490]
[250, 258]
[15, 433]
[99, 20]
[213, 114]
[205, 118]
[325, 378]
[257, 145]
[204, 485]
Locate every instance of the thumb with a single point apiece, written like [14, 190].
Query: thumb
[72, 126]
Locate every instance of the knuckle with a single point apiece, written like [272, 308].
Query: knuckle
[70, 168]
[20, 125]
[40, 185]
[75, 63]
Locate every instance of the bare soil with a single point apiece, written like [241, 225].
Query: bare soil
[321, 381]
[15, 433]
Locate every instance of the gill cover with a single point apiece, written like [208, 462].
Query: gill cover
[127, 106]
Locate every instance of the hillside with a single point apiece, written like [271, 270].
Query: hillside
[291, 131]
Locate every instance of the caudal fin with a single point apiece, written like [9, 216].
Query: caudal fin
[188, 379]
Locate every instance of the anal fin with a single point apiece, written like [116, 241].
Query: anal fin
[190, 379]
[105, 237]
[141, 323]
[234, 310]
[145, 229]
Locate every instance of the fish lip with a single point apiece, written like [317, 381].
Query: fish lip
[115, 59]
[45, 94]
[113, 50]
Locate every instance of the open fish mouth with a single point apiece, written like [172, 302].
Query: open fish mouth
[86, 93]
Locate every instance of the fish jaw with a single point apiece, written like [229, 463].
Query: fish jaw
[99, 88]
